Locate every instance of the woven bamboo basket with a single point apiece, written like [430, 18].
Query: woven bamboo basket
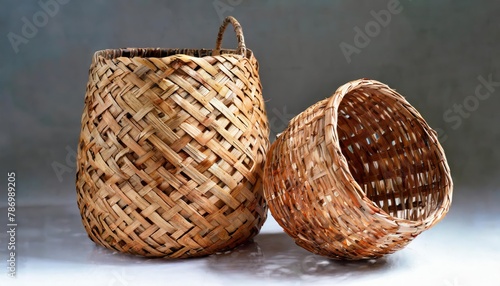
[357, 175]
[172, 149]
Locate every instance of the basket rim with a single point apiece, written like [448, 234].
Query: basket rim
[333, 146]
[162, 53]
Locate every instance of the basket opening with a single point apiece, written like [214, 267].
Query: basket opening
[159, 52]
[390, 154]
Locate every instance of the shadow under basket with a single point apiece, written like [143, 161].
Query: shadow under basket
[357, 175]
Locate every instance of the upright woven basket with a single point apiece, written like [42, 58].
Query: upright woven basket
[357, 175]
[172, 150]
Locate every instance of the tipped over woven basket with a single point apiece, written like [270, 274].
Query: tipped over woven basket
[172, 150]
[357, 175]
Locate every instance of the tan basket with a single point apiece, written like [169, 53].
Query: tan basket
[357, 175]
[172, 150]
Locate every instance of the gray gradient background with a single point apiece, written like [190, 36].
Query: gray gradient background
[432, 53]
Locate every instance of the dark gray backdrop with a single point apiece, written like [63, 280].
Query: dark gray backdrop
[435, 53]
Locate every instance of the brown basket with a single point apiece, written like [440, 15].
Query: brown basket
[357, 175]
[172, 150]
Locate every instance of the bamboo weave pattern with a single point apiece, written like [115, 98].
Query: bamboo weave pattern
[172, 150]
[357, 175]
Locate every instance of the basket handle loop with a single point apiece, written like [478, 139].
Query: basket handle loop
[242, 49]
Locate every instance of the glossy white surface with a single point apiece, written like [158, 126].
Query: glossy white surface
[464, 249]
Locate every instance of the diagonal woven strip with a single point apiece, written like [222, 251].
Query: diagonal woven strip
[172, 150]
[357, 175]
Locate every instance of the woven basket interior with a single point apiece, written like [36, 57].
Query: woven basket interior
[390, 154]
